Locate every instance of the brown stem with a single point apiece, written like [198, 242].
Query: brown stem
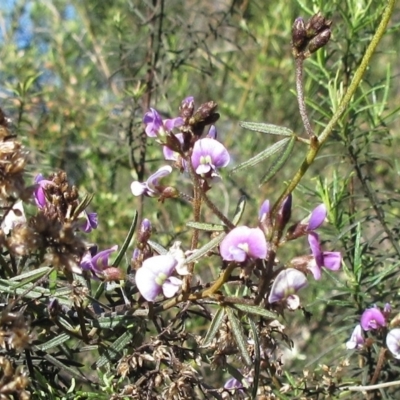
[300, 95]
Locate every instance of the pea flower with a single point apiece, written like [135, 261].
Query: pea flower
[95, 262]
[243, 242]
[372, 318]
[331, 260]
[39, 193]
[156, 127]
[208, 155]
[288, 282]
[356, 340]
[151, 187]
[393, 342]
[154, 277]
[89, 223]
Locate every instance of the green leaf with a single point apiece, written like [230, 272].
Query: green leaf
[60, 339]
[239, 210]
[239, 336]
[280, 160]
[205, 249]
[113, 351]
[53, 280]
[257, 357]
[87, 199]
[157, 247]
[266, 128]
[269, 152]
[214, 326]
[256, 310]
[126, 242]
[203, 226]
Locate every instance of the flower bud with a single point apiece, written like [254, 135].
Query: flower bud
[319, 41]
[113, 274]
[145, 231]
[298, 33]
[187, 107]
[316, 24]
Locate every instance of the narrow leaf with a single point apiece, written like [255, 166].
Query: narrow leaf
[280, 160]
[157, 247]
[34, 275]
[114, 349]
[53, 280]
[266, 128]
[205, 249]
[203, 226]
[239, 210]
[214, 326]
[268, 152]
[257, 358]
[239, 335]
[60, 339]
[256, 310]
[127, 241]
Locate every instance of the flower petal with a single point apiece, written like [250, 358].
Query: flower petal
[393, 342]
[317, 217]
[288, 282]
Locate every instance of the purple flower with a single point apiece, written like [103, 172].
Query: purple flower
[317, 217]
[156, 127]
[151, 187]
[212, 132]
[356, 340]
[243, 242]
[90, 222]
[393, 342]
[155, 277]
[39, 193]
[288, 282]
[97, 263]
[328, 259]
[233, 384]
[372, 318]
[208, 155]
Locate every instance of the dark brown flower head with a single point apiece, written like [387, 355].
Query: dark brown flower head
[13, 381]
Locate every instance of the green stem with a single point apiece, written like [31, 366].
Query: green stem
[313, 151]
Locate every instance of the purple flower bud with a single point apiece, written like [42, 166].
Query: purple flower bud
[317, 217]
[372, 318]
[284, 213]
[288, 282]
[328, 259]
[393, 342]
[243, 242]
[208, 155]
[212, 132]
[170, 154]
[155, 277]
[356, 340]
[151, 187]
[264, 210]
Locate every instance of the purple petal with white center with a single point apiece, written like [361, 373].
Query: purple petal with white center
[208, 155]
[242, 242]
[288, 282]
[356, 340]
[264, 210]
[372, 318]
[153, 274]
[317, 217]
[393, 342]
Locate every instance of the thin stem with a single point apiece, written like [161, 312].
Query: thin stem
[314, 148]
[300, 95]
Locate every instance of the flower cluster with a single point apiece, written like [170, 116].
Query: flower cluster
[376, 320]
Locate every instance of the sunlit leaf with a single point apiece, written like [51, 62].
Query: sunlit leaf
[239, 210]
[266, 128]
[214, 326]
